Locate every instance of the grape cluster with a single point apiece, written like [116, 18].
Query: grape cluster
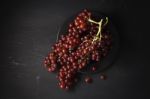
[73, 51]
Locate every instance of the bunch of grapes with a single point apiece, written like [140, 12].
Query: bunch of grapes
[85, 41]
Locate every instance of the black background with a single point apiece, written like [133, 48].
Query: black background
[29, 28]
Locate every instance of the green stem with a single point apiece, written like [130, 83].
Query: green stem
[98, 35]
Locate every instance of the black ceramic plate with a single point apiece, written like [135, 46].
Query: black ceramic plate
[107, 61]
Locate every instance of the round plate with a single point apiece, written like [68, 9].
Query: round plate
[107, 61]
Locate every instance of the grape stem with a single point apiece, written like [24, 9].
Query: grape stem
[99, 34]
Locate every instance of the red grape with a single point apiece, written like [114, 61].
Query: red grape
[82, 44]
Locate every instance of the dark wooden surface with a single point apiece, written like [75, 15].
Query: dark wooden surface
[29, 28]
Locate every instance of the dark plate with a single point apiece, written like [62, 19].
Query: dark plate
[106, 62]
